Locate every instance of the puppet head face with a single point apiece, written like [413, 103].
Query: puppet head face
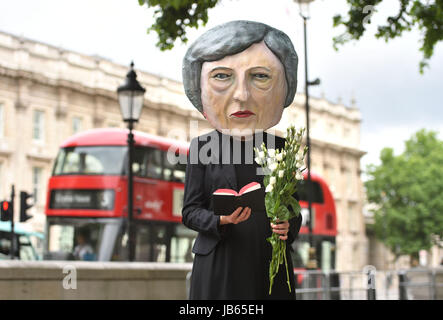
[240, 75]
[244, 91]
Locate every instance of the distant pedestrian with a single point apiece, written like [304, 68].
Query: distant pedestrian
[83, 249]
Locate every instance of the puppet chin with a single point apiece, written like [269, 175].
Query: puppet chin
[244, 127]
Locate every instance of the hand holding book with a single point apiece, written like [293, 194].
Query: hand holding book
[226, 201]
[239, 215]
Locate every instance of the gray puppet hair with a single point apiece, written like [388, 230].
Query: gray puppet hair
[231, 38]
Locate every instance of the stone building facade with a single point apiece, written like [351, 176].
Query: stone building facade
[47, 94]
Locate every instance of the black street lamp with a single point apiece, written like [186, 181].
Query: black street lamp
[304, 13]
[130, 96]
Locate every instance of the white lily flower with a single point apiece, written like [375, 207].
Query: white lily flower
[271, 153]
[272, 180]
[269, 188]
[279, 157]
[258, 160]
[261, 154]
[272, 166]
[281, 173]
[298, 176]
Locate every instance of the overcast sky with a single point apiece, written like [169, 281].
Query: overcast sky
[395, 100]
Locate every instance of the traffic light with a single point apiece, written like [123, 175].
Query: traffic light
[24, 206]
[6, 210]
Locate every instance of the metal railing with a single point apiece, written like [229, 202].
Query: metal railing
[371, 284]
[368, 284]
[421, 284]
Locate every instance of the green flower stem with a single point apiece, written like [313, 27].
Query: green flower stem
[286, 264]
[278, 256]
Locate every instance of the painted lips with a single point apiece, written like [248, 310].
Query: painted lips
[243, 114]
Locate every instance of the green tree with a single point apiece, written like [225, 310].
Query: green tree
[173, 17]
[407, 191]
[424, 14]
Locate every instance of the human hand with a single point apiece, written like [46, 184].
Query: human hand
[282, 228]
[237, 216]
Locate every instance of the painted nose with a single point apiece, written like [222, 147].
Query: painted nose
[241, 91]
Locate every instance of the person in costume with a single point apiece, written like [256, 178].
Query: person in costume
[240, 75]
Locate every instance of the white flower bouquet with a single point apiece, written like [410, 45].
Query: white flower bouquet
[282, 169]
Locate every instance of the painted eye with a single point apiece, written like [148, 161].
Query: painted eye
[261, 76]
[221, 76]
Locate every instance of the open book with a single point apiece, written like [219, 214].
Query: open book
[226, 201]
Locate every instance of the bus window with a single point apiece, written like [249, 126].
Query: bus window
[317, 194]
[27, 251]
[182, 241]
[154, 163]
[151, 243]
[326, 256]
[174, 172]
[143, 243]
[103, 160]
[139, 162]
[301, 254]
[81, 239]
[159, 243]
[5, 246]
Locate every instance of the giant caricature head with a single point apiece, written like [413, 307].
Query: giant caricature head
[240, 75]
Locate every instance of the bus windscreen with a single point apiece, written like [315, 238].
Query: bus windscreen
[90, 160]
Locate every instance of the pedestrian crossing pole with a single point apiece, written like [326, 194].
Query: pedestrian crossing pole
[12, 223]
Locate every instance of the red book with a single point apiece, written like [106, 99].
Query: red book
[226, 201]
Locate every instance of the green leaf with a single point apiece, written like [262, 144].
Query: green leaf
[284, 213]
[295, 206]
[269, 203]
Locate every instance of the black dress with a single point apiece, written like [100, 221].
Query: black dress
[238, 267]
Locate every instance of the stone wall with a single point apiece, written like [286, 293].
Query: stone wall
[78, 280]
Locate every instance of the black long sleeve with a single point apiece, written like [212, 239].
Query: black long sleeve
[195, 214]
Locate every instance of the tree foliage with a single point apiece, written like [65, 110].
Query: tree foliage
[174, 16]
[407, 192]
[424, 14]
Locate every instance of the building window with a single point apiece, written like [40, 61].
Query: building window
[331, 178]
[353, 218]
[1, 179]
[313, 126]
[349, 183]
[39, 125]
[37, 183]
[76, 124]
[2, 121]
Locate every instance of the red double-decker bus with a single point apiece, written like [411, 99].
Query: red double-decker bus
[86, 205]
[324, 225]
